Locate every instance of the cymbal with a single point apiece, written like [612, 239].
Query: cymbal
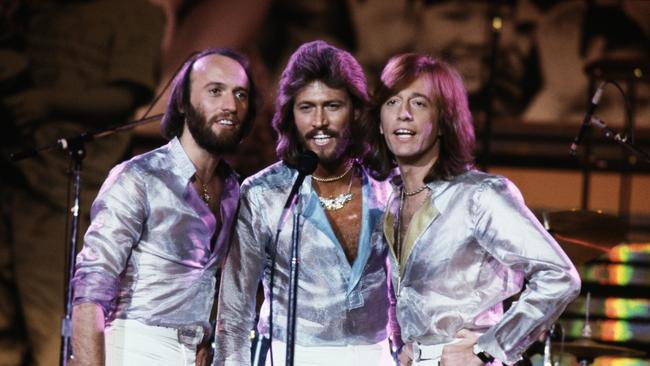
[585, 235]
[585, 348]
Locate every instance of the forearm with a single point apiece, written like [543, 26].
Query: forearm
[514, 237]
[88, 335]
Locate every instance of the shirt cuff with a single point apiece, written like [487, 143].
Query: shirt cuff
[95, 287]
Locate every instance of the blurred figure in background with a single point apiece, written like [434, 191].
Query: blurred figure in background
[570, 36]
[89, 64]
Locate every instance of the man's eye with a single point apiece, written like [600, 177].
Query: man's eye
[241, 95]
[391, 102]
[215, 91]
[419, 103]
[333, 106]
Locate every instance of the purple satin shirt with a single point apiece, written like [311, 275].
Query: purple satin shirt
[152, 250]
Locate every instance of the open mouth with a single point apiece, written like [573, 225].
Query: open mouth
[321, 139]
[225, 122]
[404, 132]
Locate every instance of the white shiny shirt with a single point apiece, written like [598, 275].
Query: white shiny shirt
[152, 250]
[468, 248]
[339, 303]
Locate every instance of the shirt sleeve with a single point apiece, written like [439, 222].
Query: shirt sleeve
[239, 282]
[117, 218]
[507, 229]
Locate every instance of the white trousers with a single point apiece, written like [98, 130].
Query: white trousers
[132, 343]
[377, 354]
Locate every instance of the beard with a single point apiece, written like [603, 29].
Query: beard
[200, 129]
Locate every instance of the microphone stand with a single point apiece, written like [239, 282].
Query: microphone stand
[293, 284]
[76, 149]
[620, 139]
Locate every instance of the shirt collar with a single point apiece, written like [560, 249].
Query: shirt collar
[437, 187]
[183, 166]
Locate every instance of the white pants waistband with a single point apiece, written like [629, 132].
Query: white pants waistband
[130, 342]
[377, 354]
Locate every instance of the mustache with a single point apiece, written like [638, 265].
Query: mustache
[318, 131]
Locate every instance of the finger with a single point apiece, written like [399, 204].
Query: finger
[466, 336]
[463, 333]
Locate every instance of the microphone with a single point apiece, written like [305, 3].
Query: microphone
[586, 122]
[307, 163]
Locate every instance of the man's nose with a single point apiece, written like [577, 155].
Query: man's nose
[228, 103]
[320, 118]
[404, 113]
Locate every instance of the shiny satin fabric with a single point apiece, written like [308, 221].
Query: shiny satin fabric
[471, 246]
[147, 253]
[338, 304]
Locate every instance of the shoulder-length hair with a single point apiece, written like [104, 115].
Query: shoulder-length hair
[172, 122]
[454, 118]
[336, 68]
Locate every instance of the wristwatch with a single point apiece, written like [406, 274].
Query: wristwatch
[481, 354]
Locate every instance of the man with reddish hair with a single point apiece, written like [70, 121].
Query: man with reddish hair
[461, 241]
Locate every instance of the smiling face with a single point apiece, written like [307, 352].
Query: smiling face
[409, 123]
[219, 103]
[323, 116]
[459, 32]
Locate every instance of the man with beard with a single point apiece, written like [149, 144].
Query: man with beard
[342, 306]
[145, 280]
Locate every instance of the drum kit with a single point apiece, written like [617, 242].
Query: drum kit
[585, 236]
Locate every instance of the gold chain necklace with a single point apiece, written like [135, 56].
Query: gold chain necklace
[333, 179]
[338, 202]
[413, 193]
[204, 194]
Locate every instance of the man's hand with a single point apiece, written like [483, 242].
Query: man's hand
[405, 356]
[203, 354]
[460, 353]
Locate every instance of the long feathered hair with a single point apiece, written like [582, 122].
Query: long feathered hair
[454, 118]
[336, 68]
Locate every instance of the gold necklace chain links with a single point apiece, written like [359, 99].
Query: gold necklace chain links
[204, 194]
[338, 202]
[413, 193]
[333, 179]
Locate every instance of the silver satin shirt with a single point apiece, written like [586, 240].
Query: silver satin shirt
[151, 251]
[338, 303]
[468, 248]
